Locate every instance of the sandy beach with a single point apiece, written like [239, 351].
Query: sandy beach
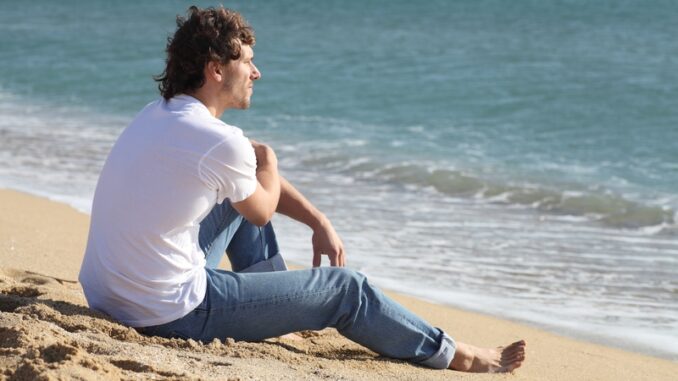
[47, 332]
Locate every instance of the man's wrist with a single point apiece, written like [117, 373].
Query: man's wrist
[319, 221]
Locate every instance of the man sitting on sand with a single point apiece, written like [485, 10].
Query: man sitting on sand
[180, 188]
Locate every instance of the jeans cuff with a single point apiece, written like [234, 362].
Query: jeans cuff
[275, 263]
[442, 358]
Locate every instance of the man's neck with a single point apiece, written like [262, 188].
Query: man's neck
[211, 102]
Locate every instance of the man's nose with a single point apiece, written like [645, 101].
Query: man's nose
[256, 74]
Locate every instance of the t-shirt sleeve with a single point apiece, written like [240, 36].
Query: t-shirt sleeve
[230, 169]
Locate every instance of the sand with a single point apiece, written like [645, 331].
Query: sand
[47, 331]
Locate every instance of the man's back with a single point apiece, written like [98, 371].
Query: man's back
[167, 170]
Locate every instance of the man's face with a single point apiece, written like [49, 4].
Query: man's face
[239, 79]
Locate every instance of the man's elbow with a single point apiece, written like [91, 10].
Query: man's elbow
[259, 208]
[259, 221]
[259, 217]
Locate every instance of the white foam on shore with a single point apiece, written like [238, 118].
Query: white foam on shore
[54, 152]
[628, 338]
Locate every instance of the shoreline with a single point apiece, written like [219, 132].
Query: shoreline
[45, 239]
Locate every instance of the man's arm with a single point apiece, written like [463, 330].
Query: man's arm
[259, 207]
[325, 239]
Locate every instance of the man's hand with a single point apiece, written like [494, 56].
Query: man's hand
[326, 241]
[259, 207]
[265, 155]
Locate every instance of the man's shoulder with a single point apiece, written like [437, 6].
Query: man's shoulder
[184, 116]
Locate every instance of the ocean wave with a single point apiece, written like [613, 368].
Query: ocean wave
[610, 209]
[602, 206]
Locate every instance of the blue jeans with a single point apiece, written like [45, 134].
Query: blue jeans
[258, 300]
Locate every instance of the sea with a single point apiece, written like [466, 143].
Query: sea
[515, 158]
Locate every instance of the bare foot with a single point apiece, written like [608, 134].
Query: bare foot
[469, 358]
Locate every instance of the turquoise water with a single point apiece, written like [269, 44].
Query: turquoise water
[515, 158]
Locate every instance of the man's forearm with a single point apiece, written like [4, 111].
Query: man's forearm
[260, 206]
[294, 205]
[325, 239]
[269, 179]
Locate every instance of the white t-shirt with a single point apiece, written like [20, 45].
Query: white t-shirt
[175, 161]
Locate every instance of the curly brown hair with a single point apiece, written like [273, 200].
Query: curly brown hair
[205, 35]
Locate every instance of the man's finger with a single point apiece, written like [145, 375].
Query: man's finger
[342, 253]
[333, 259]
[316, 259]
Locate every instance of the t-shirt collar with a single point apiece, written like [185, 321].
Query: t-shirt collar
[186, 101]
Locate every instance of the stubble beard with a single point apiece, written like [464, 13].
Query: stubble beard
[241, 103]
[245, 103]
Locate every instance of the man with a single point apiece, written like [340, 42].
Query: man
[180, 187]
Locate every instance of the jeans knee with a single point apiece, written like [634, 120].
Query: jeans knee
[346, 277]
[357, 289]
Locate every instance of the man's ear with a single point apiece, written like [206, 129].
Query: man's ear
[214, 71]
